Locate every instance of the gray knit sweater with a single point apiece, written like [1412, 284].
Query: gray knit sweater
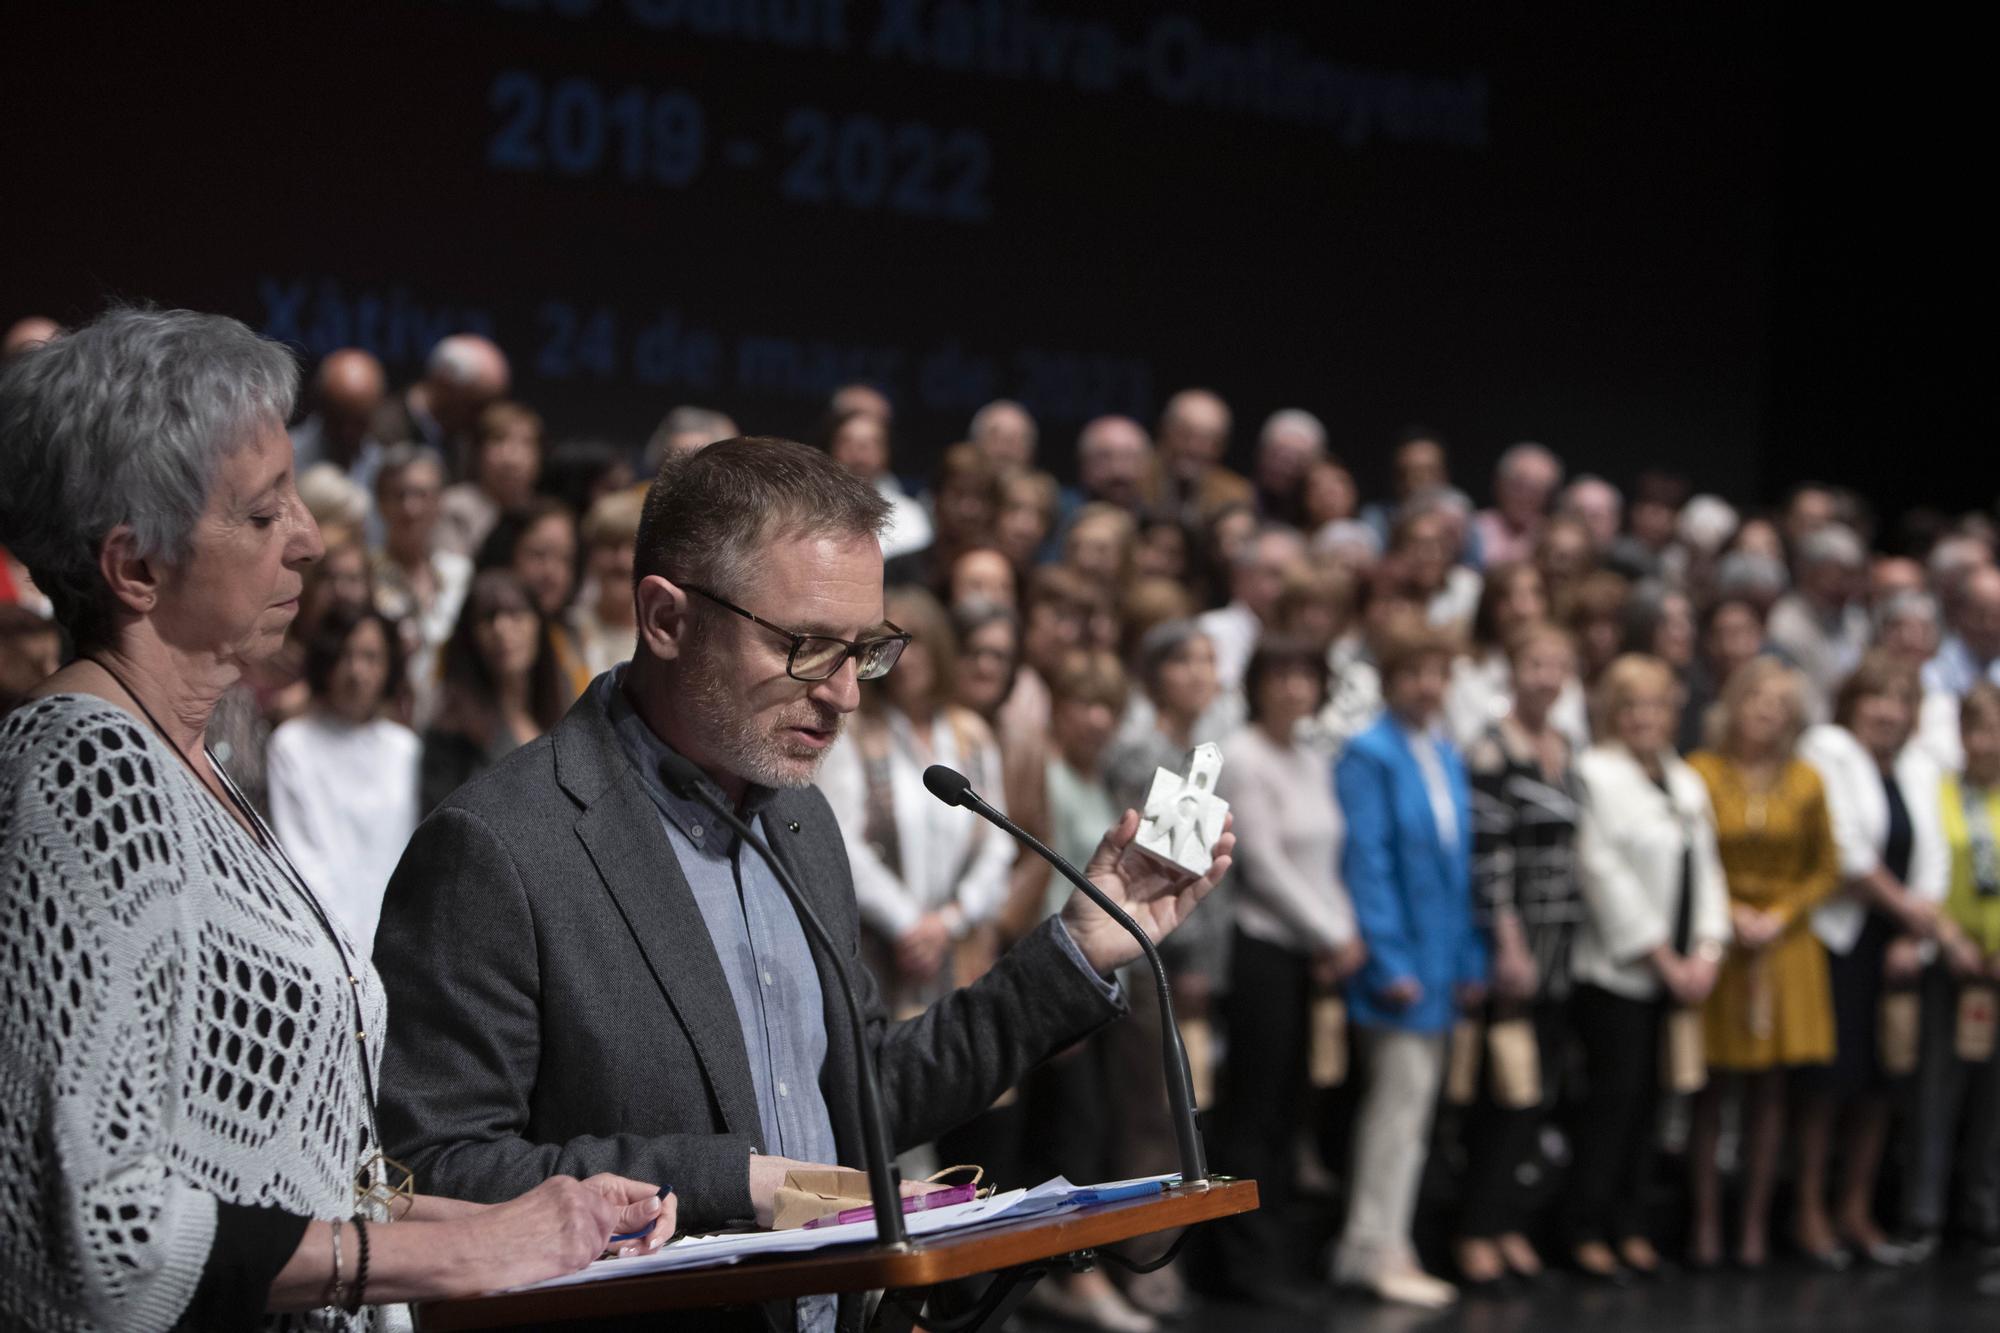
[176, 1029]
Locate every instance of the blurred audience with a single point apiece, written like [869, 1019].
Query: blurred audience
[506, 465]
[31, 648]
[605, 618]
[343, 776]
[1655, 926]
[500, 687]
[1294, 942]
[1406, 805]
[1771, 1012]
[1806, 921]
[1883, 795]
[1524, 795]
[1524, 483]
[929, 877]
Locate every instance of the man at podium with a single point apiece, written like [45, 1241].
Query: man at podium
[587, 974]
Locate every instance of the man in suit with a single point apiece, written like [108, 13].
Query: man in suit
[1193, 438]
[585, 970]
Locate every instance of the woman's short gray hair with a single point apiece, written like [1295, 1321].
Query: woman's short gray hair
[126, 421]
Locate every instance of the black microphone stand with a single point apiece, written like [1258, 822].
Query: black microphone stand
[685, 780]
[952, 787]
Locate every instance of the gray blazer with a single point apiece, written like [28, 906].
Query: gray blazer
[556, 1005]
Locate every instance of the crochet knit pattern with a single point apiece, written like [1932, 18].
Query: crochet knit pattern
[176, 1029]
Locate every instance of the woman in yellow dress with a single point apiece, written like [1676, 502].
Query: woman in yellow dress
[1772, 1007]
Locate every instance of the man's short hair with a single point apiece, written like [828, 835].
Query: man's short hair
[1296, 420]
[709, 514]
[1525, 453]
[1832, 545]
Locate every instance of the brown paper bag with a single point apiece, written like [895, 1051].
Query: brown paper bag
[1762, 1002]
[1976, 1016]
[1198, 1035]
[806, 1195]
[1683, 1058]
[1514, 1064]
[1461, 1079]
[1902, 1028]
[1326, 1053]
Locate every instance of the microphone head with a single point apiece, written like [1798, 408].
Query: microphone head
[680, 774]
[947, 784]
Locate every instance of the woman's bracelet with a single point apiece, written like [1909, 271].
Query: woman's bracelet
[336, 1290]
[361, 1270]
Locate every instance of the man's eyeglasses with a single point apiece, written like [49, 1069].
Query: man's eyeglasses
[816, 657]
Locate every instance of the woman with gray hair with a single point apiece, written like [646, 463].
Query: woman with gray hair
[187, 1128]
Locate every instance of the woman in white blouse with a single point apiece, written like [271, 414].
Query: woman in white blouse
[1656, 925]
[1294, 938]
[926, 874]
[343, 777]
[1881, 792]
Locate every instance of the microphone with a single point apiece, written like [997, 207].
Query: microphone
[684, 780]
[954, 788]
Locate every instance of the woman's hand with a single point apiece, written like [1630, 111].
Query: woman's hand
[1904, 962]
[1697, 980]
[1330, 967]
[1919, 916]
[1514, 976]
[1754, 927]
[1401, 993]
[1154, 894]
[921, 950]
[555, 1228]
[640, 1206]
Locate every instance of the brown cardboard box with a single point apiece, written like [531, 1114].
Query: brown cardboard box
[1326, 1057]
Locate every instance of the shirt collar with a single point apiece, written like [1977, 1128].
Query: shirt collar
[645, 750]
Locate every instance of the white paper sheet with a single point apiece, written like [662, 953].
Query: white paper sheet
[735, 1246]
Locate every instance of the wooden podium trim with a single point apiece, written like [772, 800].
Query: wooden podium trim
[931, 1260]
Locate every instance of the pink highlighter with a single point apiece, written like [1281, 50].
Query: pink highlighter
[915, 1203]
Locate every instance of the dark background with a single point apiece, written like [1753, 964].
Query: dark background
[1703, 237]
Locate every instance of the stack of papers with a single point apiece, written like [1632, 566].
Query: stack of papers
[731, 1247]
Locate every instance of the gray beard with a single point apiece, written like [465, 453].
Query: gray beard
[736, 740]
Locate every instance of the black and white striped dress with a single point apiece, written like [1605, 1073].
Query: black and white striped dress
[1524, 851]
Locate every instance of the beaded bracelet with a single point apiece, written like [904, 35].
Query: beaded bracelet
[361, 1271]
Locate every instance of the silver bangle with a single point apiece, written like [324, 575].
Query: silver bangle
[336, 1290]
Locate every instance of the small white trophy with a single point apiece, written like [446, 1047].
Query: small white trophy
[1183, 815]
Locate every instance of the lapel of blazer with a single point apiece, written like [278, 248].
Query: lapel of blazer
[1413, 773]
[620, 832]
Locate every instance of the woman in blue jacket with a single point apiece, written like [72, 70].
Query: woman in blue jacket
[1407, 863]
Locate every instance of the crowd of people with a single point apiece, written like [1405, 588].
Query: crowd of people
[1564, 814]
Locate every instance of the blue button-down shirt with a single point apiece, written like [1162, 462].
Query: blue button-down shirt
[764, 955]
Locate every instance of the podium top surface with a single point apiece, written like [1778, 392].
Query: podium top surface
[929, 1260]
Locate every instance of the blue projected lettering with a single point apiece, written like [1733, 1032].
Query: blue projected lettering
[576, 128]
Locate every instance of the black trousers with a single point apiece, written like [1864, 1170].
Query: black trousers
[1499, 1139]
[1614, 1135]
[1268, 1017]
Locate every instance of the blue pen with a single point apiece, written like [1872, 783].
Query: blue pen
[644, 1231]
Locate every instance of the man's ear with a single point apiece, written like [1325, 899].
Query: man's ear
[133, 580]
[663, 617]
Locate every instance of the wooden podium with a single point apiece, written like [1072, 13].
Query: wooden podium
[1013, 1249]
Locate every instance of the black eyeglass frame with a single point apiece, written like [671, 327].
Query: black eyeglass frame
[850, 648]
